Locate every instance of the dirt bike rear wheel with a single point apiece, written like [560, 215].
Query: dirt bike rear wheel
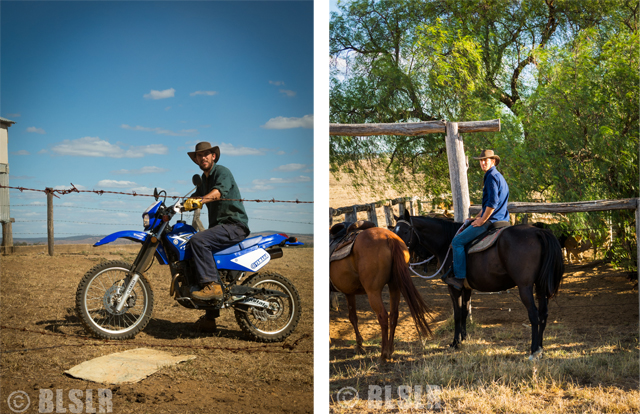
[277, 323]
[96, 300]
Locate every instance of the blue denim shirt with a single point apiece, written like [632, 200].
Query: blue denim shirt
[495, 194]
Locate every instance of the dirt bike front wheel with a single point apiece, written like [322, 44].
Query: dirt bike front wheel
[97, 297]
[281, 319]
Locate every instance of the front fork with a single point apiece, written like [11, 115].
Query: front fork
[143, 260]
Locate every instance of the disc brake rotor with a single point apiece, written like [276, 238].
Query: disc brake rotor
[112, 296]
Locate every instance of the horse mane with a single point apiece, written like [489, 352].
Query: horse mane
[447, 227]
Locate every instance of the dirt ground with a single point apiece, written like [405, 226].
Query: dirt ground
[595, 301]
[592, 297]
[37, 292]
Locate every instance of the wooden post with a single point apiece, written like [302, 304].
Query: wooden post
[373, 216]
[351, 216]
[50, 238]
[401, 208]
[457, 173]
[7, 236]
[388, 215]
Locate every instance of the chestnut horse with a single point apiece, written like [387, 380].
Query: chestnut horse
[378, 258]
[523, 256]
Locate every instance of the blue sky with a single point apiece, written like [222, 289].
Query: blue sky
[112, 95]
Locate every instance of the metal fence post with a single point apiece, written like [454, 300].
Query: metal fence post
[50, 239]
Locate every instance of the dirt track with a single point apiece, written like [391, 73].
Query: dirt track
[38, 293]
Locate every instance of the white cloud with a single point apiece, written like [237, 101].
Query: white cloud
[208, 93]
[299, 179]
[268, 184]
[36, 130]
[287, 92]
[144, 190]
[281, 122]
[115, 184]
[13, 115]
[167, 108]
[290, 167]
[68, 187]
[95, 147]
[230, 149]
[143, 170]
[21, 152]
[43, 151]
[280, 152]
[161, 131]
[167, 93]
[277, 83]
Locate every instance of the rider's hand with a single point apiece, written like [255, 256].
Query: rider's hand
[192, 204]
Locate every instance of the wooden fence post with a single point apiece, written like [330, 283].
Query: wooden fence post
[7, 236]
[388, 215]
[351, 216]
[50, 238]
[457, 173]
[373, 217]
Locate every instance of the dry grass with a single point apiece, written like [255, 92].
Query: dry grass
[490, 373]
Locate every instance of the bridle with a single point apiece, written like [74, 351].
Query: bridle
[411, 265]
[412, 229]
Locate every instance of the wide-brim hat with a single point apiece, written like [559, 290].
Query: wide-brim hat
[204, 146]
[488, 154]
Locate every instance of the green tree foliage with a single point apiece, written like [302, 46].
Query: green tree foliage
[562, 75]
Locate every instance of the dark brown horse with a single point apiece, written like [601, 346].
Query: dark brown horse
[378, 258]
[523, 256]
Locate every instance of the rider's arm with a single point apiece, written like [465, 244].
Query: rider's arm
[212, 196]
[480, 220]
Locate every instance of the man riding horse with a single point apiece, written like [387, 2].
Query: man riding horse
[495, 197]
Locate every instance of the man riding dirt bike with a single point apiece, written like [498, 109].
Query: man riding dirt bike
[228, 224]
[115, 300]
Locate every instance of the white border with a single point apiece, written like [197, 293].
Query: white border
[321, 206]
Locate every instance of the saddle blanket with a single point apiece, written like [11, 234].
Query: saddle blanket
[486, 242]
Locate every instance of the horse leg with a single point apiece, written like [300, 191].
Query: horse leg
[456, 297]
[353, 317]
[526, 295]
[465, 311]
[394, 296]
[543, 313]
[375, 300]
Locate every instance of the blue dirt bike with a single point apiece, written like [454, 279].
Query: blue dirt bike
[114, 300]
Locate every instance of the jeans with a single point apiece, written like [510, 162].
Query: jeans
[458, 244]
[205, 243]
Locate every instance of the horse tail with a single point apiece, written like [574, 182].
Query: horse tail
[551, 265]
[418, 308]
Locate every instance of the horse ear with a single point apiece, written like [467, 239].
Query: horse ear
[407, 216]
[396, 218]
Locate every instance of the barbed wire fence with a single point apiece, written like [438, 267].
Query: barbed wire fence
[194, 217]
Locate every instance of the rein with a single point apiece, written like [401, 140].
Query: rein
[411, 265]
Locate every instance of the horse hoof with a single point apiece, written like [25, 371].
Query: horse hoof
[536, 355]
[454, 345]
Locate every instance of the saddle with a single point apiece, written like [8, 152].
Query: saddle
[488, 238]
[343, 235]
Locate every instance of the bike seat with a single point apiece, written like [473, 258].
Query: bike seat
[245, 244]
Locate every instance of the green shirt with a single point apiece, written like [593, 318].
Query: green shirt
[222, 211]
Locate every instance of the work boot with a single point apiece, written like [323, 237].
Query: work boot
[453, 281]
[209, 291]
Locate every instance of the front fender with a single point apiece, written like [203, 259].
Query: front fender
[138, 236]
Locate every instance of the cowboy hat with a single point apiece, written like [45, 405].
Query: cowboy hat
[204, 146]
[488, 154]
